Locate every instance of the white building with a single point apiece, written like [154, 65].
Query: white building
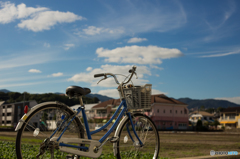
[200, 115]
[88, 110]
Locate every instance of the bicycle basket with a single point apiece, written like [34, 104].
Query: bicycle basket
[138, 97]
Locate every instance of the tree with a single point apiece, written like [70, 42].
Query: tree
[202, 107]
[216, 123]
[210, 110]
[199, 123]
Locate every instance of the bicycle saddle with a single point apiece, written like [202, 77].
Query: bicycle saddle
[72, 91]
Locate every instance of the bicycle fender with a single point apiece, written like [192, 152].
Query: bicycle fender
[25, 116]
[117, 133]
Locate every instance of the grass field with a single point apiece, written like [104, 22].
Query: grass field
[172, 145]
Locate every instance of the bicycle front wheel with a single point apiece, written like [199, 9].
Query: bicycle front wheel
[128, 145]
[33, 139]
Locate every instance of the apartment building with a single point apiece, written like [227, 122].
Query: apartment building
[11, 113]
[230, 117]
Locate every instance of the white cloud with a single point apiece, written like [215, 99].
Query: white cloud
[93, 30]
[45, 20]
[34, 71]
[88, 77]
[156, 67]
[154, 91]
[110, 93]
[157, 75]
[34, 19]
[136, 40]
[89, 69]
[19, 84]
[68, 46]
[231, 99]
[32, 58]
[223, 54]
[57, 74]
[47, 45]
[138, 54]
[10, 12]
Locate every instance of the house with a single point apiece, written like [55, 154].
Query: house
[166, 113]
[106, 109]
[11, 113]
[201, 115]
[88, 110]
[230, 117]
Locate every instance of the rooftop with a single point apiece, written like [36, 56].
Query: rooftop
[159, 98]
[232, 109]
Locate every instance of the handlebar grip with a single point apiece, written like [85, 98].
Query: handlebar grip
[130, 71]
[99, 75]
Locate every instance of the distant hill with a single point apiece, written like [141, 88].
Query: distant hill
[4, 90]
[100, 97]
[207, 103]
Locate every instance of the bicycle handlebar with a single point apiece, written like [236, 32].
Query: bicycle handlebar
[99, 75]
[132, 71]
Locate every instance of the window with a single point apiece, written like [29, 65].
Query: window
[210, 118]
[9, 114]
[2, 122]
[9, 106]
[4, 106]
[185, 111]
[204, 118]
[158, 110]
[3, 114]
[164, 111]
[8, 122]
[170, 111]
[176, 111]
[181, 111]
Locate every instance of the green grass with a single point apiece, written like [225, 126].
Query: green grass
[7, 149]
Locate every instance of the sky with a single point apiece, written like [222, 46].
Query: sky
[183, 48]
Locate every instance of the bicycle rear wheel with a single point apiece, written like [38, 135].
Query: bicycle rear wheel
[34, 135]
[148, 134]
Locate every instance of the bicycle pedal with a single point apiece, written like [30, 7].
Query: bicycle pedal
[114, 139]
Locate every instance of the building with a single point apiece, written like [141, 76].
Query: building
[88, 110]
[230, 117]
[11, 113]
[200, 115]
[166, 113]
[106, 109]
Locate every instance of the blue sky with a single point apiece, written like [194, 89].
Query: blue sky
[184, 48]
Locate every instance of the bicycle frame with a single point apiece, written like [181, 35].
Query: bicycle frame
[124, 110]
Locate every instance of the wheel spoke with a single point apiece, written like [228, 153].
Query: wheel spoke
[46, 119]
[149, 138]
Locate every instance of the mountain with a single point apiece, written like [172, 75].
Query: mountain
[4, 90]
[100, 97]
[207, 103]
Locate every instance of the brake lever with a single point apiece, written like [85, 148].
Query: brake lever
[136, 75]
[102, 79]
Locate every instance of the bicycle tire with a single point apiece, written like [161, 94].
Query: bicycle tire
[148, 134]
[25, 151]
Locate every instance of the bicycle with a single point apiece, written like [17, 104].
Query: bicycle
[63, 135]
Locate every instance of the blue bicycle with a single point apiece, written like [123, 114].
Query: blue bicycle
[65, 136]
